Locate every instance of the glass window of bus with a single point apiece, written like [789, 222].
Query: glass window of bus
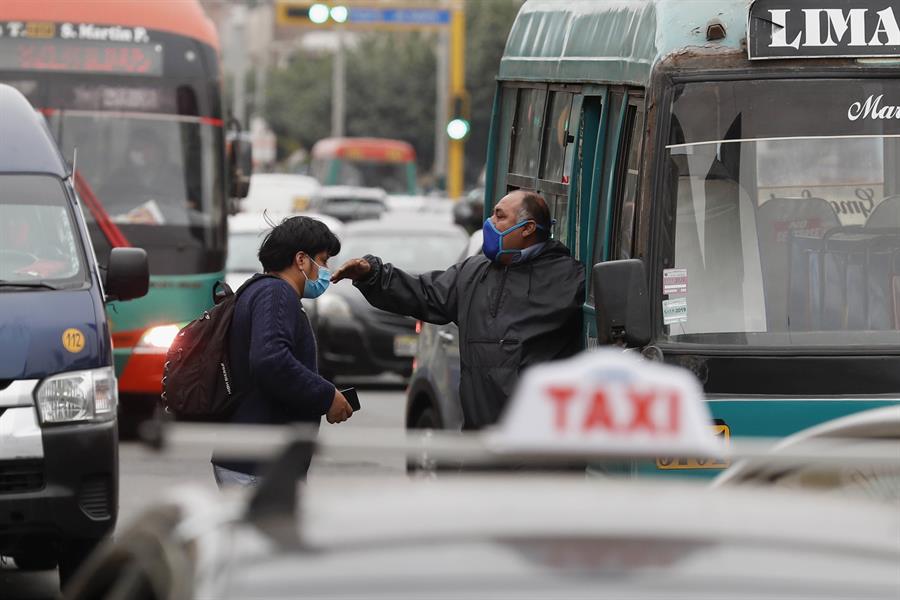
[583, 158]
[627, 181]
[601, 241]
[39, 240]
[507, 117]
[527, 131]
[787, 220]
[156, 177]
[553, 152]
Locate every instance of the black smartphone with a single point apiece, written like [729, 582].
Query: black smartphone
[352, 398]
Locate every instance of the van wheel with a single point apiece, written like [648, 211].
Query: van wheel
[30, 560]
[72, 554]
[423, 466]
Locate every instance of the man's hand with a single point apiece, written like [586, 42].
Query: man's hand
[354, 269]
[340, 409]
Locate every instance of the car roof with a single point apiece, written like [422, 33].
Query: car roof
[405, 223]
[351, 192]
[27, 144]
[601, 528]
[255, 222]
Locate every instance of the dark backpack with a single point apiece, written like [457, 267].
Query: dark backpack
[196, 381]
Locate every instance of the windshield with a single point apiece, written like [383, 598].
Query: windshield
[409, 250]
[391, 176]
[787, 221]
[157, 177]
[39, 241]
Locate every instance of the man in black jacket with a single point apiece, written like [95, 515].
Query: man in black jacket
[517, 304]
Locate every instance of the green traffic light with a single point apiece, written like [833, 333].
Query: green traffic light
[457, 129]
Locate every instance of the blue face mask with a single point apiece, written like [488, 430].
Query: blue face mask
[314, 289]
[492, 246]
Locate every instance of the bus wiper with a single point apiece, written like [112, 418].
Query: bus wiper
[28, 284]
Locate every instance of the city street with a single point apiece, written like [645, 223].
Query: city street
[145, 475]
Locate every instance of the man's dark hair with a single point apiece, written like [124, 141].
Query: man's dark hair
[534, 207]
[293, 235]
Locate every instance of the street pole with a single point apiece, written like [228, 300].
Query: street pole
[456, 156]
[239, 106]
[338, 86]
[442, 109]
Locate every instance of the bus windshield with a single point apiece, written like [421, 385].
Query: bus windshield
[155, 176]
[389, 176]
[787, 213]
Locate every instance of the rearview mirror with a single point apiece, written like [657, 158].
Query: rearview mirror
[240, 165]
[621, 302]
[128, 274]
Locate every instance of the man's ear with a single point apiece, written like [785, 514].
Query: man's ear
[529, 229]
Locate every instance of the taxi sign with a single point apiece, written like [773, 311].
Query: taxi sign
[609, 403]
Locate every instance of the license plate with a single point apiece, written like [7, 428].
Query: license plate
[405, 345]
[721, 430]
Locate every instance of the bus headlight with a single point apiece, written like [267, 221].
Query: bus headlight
[157, 339]
[78, 396]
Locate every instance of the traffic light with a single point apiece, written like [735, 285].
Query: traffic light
[300, 13]
[458, 126]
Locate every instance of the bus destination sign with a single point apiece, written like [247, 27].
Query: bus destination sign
[823, 29]
[78, 47]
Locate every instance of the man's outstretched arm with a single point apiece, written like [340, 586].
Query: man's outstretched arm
[430, 297]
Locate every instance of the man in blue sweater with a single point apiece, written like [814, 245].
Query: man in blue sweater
[272, 346]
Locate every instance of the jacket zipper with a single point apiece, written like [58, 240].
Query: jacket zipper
[496, 306]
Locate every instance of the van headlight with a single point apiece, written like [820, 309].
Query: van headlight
[78, 396]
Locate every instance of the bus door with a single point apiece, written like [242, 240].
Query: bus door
[611, 212]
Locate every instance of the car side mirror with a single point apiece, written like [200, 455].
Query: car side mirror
[240, 166]
[622, 303]
[128, 274]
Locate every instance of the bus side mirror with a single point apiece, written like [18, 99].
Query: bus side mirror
[622, 303]
[240, 166]
[128, 274]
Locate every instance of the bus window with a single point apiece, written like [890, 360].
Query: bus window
[601, 231]
[553, 153]
[627, 181]
[507, 115]
[527, 132]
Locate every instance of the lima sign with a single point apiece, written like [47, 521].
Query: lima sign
[823, 28]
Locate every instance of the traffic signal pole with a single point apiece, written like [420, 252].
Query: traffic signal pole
[456, 150]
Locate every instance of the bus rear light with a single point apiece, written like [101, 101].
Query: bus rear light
[157, 339]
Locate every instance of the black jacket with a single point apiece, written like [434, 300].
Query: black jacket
[509, 317]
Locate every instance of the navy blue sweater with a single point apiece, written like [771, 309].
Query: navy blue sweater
[273, 361]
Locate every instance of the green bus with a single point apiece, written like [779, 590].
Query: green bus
[728, 174]
[132, 92]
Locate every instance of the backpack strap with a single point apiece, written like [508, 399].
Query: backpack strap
[220, 291]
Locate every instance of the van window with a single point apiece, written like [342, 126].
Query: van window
[39, 241]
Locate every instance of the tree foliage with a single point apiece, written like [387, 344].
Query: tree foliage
[391, 85]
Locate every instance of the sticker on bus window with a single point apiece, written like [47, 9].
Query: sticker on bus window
[675, 310]
[675, 281]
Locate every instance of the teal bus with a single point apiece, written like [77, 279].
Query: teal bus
[727, 172]
[132, 92]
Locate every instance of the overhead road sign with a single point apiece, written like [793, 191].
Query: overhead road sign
[418, 17]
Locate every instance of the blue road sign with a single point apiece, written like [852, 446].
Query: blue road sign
[399, 16]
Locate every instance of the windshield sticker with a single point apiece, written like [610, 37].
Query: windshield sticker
[675, 281]
[73, 340]
[675, 310]
[822, 28]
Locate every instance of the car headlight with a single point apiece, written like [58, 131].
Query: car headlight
[333, 307]
[157, 340]
[78, 396]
